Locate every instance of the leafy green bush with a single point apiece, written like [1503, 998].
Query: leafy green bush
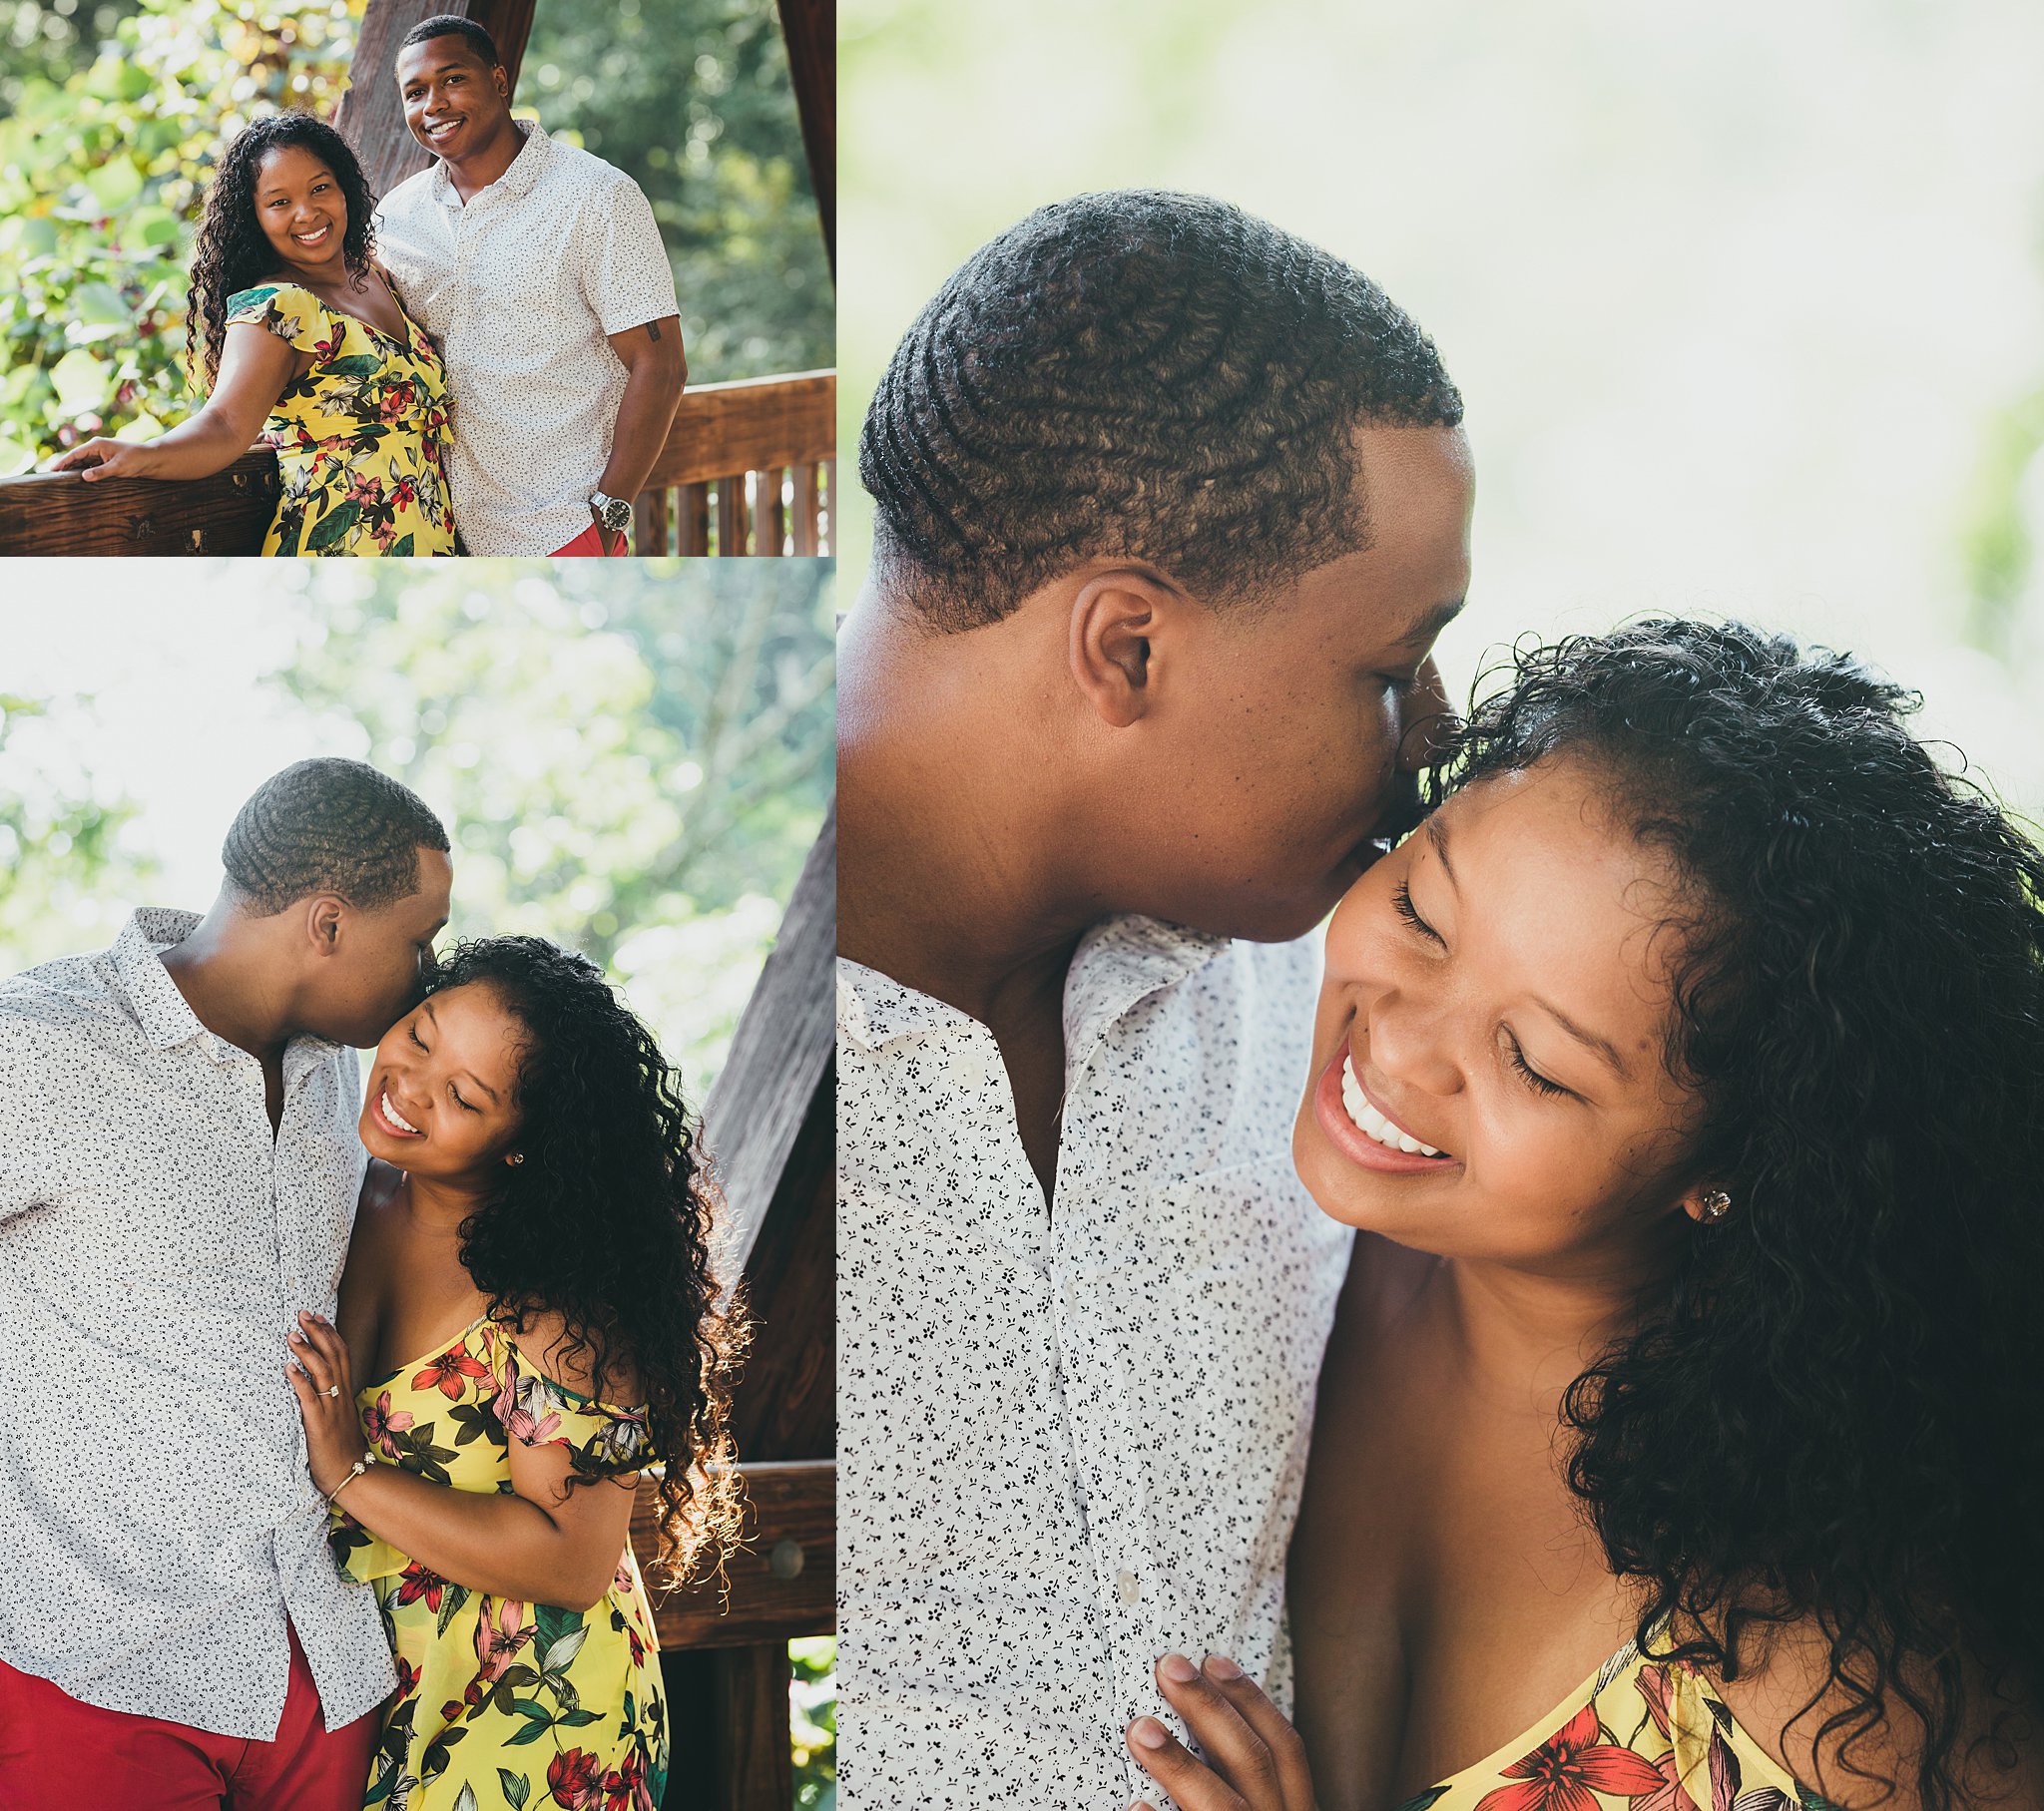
[101, 177]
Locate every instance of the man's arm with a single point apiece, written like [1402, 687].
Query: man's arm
[657, 370]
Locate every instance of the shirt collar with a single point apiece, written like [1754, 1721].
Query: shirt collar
[166, 1016]
[516, 181]
[1117, 964]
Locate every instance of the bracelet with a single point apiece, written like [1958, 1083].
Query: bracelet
[360, 1465]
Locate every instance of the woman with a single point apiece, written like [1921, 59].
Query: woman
[529, 1298]
[1677, 1444]
[293, 320]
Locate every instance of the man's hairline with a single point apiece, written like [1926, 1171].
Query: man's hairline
[245, 904]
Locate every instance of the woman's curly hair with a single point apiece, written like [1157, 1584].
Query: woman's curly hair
[1833, 1417]
[606, 1220]
[232, 254]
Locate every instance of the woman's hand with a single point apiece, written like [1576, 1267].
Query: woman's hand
[1254, 1760]
[101, 458]
[319, 1374]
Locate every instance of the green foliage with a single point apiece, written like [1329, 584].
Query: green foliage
[62, 852]
[114, 114]
[633, 757]
[2007, 517]
[693, 99]
[101, 178]
[813, 1699]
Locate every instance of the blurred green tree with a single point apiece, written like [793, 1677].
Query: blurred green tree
[634, 760]
[61, 846]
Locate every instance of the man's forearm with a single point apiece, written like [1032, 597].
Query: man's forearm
[652, 395]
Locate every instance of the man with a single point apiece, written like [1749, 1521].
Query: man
[179, 1170]
[1171, 507]
[538, 269]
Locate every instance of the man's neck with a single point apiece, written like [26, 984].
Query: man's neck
[949, 878]
[229, 979]
[487, 163]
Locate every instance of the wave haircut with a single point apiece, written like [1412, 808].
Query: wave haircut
[1136, 375]
[1833, 1419]
[607, 1222]
[455, 25]
[328, 826]
[232, 254]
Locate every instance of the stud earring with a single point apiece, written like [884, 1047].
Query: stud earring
[515, 1159]
[1717, 1204]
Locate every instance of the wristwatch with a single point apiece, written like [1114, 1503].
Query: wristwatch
[615, 512]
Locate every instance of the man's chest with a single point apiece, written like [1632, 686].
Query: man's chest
[510, 267]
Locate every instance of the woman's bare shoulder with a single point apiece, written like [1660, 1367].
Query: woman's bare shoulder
[545, 1341]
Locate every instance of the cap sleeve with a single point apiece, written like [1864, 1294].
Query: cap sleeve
[602, 1440]
[292, 313]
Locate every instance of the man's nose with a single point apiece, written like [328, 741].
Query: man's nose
[1427, 721]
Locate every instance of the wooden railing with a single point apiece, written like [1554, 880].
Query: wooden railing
[748, 468]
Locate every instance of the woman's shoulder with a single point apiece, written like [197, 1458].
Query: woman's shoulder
[546, 1343]
[273, 292]
[1785, 1695]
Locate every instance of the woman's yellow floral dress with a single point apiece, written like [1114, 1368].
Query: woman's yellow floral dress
[1642, 1735]
[500, 1702]
[360, 438]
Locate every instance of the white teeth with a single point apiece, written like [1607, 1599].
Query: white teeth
[1370, 1122]
[395, 1118]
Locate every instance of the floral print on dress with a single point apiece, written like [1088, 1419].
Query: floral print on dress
[1643, 1735]
[361, 438]
[500, 1702]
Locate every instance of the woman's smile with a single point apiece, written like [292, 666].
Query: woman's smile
[392, 1121]
[1361, 1131]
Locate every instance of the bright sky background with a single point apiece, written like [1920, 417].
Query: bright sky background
[1733, 291]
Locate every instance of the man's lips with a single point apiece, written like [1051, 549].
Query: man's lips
[1356, 1143]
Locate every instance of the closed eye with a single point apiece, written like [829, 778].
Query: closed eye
[1401, 898]
[416, 1039]
[459, 1102]
[1532, 1075]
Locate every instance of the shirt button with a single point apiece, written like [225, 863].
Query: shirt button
[1126, 1589]
[970, 1070]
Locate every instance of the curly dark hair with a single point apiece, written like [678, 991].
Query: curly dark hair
[232, 254]
[1832, 1418]
[606, 1221]
[1135, 374]
[329, 825]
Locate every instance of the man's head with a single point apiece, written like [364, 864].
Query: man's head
[347, 874]
[454, 86]
[1224, 476]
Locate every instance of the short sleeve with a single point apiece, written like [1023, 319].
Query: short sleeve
[626, 276]
[292, 314]
[603, 1441]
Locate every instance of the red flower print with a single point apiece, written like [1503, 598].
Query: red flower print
[572, 1779]
[1564, 1772]
[407, 1677]
[638, 1646]
[446, 1373]
[416, 1582]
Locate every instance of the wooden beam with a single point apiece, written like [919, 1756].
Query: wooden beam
[781, 1057]
[810, 28]
[782, 1585]
[722, 430]
[371, 116]
[60, 513]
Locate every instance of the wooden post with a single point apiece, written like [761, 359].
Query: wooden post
[770, 1128]
[810, 28]
[372, 115]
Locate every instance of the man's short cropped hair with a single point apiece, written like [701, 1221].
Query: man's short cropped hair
[329, 826]
[453, 25]
[1136, 375]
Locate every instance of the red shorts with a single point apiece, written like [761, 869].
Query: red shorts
[587, 545]
[56, 1751]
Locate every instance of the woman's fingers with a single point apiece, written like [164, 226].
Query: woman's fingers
[1191, 1783]
[1280, 1739]
[319, 1366]
[94, 456]
[1234, 1749]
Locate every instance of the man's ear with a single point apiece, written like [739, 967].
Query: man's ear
[323, 915]
[1114, 619]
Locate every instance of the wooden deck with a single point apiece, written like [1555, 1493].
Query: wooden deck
[749, 468]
